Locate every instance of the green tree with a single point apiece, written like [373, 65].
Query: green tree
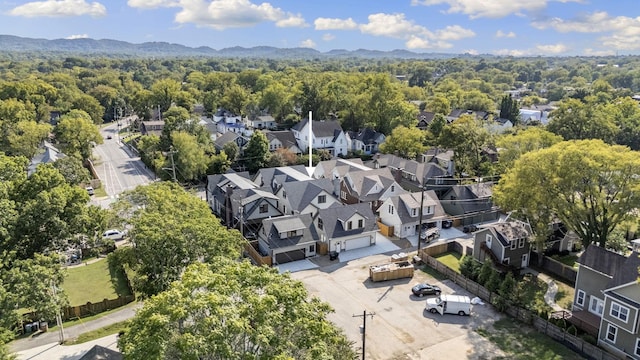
[577, 120]
[72, 169]
[407, 142]
[191, 162]
[232, 150]
[77, 133]
[589, 185]
[485, 273]
[467, 138]
[234, 310]
[509, 109]
[256, 153]
[170, 229]
[512, 146]
[219, 164]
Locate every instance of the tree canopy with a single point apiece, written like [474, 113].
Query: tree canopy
[407, 142]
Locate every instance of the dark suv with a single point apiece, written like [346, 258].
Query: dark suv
[470, 228]
[423, 289]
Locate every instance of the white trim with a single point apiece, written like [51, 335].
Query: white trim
[584, 297]
[597, 302]
[636, 349]
[621, 309]
[615, 334]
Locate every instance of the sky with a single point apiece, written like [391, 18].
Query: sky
[499, 27]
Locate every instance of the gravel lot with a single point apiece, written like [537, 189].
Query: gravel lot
[400, 328]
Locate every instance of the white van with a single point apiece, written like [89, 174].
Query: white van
[113, 234]
[449, 304]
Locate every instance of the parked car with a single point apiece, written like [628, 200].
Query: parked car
[470, 228]
[449, 304]
[423, 289]
[109, 137]
[90, 190]
[429, 234]
[113, 234]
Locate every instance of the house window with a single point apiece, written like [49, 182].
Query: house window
[637, 349]
[521, 243]
[320, 224]
[514, 243]
[489, 239]
[349, 225]
[343, 194]
[292, 233]
[393, 188]
[312, 248]
[619, 312]
[391, 209]
[439, 181]
[429, 210]
[414, 212]
[284, 194]
[612, 332]
[360, 224]
[264, 208]
[322, 199]
[580, 298]
[596, 306]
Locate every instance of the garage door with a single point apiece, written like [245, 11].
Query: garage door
[358, 243]
[289, 256]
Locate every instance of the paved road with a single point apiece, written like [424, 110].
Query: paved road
[53, 336]
[118, 168]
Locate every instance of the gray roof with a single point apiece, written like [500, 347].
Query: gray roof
[627, 273]
[227, 137]
[475, 197]
[47, 154]
[301, 193]
[285, 137]
[217, 184]
[273, 228]
[425, 118]
[510, 230]
[342, 167]
[323, 128]
[601, 260]
[412, 200]
[331, 219]
[362, 182]
[422, 171]
[98, 352]
[366, 135]
[265, 177]
[251, 197]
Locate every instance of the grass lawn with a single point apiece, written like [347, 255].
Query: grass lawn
[93, 283]
[451, 259]
[569, 260]
[531, 291]
[99, 333]
[565, 294]
[522, 342]
[100, 192]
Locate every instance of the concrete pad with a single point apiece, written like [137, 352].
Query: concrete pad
[451, 233]
[383, 245]
[294, 266]
[67, 352]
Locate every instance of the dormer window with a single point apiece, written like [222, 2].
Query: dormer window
[393, 188]
[322, 199]
[360, 224]
[349, 225]
[284, 194]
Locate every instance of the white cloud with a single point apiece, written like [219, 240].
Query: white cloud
[544, 50]
[491, 9]
[223, 14]
[335, 24]
[59, 8]
[593, 52]
[471, 52]
[552, 49]
[502, 34]
[77, 36]
[328, 37]
[308, 44]
[454, 32]
[623, 32]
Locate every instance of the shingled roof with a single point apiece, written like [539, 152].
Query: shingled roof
[323, 128]
[601, 260]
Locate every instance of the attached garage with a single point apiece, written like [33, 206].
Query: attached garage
[358, 243]
[289, 256]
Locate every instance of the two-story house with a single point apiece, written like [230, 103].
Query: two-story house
[403, 212]
[369, 186]
[282, 140]
[337, 168]
[288, 238]
[306, 197]
[346, 227]
[261, 121]
[413, 175]
[250, 206]
[470, 204]
[220, 187]
[326, 135]
[607, 300]
[506, 244]
[366, 140]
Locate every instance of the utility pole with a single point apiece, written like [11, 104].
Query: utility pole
[420, 220]
[364, 328]
[58, 316]
[173, 165]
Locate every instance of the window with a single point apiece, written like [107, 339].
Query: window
[596, 306]
[637, 348]
[312, 248]
[320, 224]
[391, 209]
[284, 194]
[414, 212]
[521, 243]
[393, 188]
[506, 261]
[360, 224]
[343, 194]
[619, 312]
[322, 199]
[580, 298]
[514, 243]
[264, 208]
[349, 225]
[612, 332]
[429, 210]
[489, 239]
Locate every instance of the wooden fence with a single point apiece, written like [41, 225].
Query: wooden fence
[385, 229]
[542, 325]
[556, 268]
[252, 249]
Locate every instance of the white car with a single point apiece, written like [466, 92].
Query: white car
[113, 234]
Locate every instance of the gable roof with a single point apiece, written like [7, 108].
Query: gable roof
[363, 181]
[227, 137]
[301, 193]
[332, 217]
[339, 166]
[265, 176]
[273, 228]
[477, 196]
[601, 260]
[627, 273]
[404, 202]
[98, 352]
[47, 154]
[323, 128]
[510, 230]
[285, 137]
[367, 136]
[425, 118]
[249, 199]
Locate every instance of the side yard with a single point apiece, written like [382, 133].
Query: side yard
[94, 282]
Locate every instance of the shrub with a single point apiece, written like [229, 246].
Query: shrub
[572, 330]
[485, 273]
[494, 281]
[469, 268]
[589, 338]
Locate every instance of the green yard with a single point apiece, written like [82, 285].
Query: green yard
[93, 283]
[451, 259]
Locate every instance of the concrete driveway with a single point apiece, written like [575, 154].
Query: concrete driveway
[400, 328]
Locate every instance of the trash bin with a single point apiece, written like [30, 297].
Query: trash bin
[44, 326]
[333, 255]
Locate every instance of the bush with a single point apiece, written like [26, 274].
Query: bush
[469, 268]
[486, 270]
[589, 338]
[572, 330]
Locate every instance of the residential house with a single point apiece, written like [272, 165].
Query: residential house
[288, 238]
[228, 137]
[282, 140]
[506, 244]
[413, 175]
[327, 135]
[346, 227]
[457, 113]
[403, 212]
[366, 141]
[219, 189]
[372, 186]
[54, 117]
[540, 116]
[442, 157]
[46, 154]
[470, 204]
[276, 176]
[306, 197]
[425, 118]
[250, 206]
[498, 125]
[261, 121]
[226, 121]
[337, 168]
[153, 127]
[607, 300]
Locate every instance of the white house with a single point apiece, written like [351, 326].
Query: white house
[327, 135]
[403, 212]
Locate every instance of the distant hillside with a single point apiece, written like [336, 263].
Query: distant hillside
[9, 43]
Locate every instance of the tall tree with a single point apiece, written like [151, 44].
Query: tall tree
[509, 109]
[77, 133]
[190, 159]
[256, 153]
[589, 185]
[72, 169]
[234, 310]
[407, 142]
[578, 120]
[512, 146]
[467, 138]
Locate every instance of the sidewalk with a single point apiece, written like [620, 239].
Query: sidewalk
[552, 290]
[67, 352]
